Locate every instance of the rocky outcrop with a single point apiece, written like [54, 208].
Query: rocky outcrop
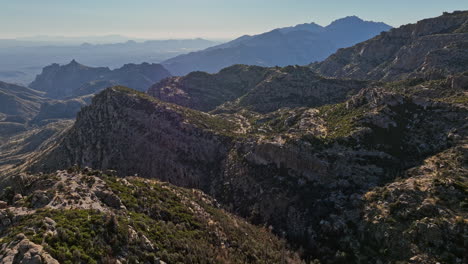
[431, 48]
[75, 79]
[22, 250]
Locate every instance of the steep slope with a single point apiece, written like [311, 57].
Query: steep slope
[297, 45]
[254, 88]
[89, 217]
[304, 171]
[191, 143]
[431, 48]
[75, 79]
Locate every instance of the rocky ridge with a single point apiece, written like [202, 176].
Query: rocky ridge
[254, 88]
[431, 48]
[88, 216]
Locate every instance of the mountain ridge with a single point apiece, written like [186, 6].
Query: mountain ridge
[296, 46]
[432, 46]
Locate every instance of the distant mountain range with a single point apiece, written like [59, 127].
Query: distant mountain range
[22, 60]
[298, 45]
[75, 79]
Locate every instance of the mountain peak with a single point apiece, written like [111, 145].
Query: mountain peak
[346, 20]
[73, 63]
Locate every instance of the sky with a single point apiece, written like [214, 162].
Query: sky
[213, 19]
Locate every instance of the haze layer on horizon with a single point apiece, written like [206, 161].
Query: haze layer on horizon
[214, 19]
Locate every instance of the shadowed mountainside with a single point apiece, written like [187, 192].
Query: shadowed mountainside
[299, 45]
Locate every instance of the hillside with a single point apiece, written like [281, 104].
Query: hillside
[299, 45]
[75, 79]
[29, 121]
[254, 88]
[305, 171]
[431, 48]
[86, 216]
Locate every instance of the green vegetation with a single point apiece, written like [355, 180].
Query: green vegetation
[160, 221]
[341, 121]
[82, 235]
[457, 99]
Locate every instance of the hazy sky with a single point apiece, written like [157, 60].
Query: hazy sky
[199, 18]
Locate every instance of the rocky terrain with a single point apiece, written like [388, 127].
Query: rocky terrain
[304, 171]
[431, 48]
[74, 79]
[345, 170]
[254, 88]
[86, 216]
[298, 45]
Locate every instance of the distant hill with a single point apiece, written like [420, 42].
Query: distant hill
[75, 79]
[431, 48]
[298, 45]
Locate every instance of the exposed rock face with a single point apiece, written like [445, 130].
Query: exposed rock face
[175, 147]
[431, 48]
[254, 88]
[75, 79]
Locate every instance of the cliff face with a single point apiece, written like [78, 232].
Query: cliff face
[153, 139]
[75, 79]
[431, 48]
